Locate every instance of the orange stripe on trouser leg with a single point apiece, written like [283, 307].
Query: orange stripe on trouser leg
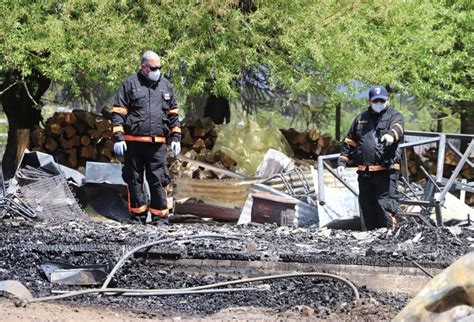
[159, 213]
[137, 210]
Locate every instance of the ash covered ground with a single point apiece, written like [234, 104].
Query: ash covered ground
[24, 246]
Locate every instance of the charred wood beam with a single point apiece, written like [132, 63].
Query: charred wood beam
[207, 211]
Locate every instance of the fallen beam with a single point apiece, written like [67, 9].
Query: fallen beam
[211, 167]
[204, 210]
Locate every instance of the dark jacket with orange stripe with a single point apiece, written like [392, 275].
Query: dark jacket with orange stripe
[145, 108]
[362, 145]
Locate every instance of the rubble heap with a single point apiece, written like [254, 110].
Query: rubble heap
[24, 247]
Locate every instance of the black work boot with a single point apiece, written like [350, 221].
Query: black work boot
[158, 221]
[139, 219]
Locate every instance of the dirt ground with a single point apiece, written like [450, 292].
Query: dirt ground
[54, 311]
[72, 312]
[61, 312]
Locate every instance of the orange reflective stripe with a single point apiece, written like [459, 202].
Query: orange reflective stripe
[119, 110]
[172, 112]
[158, 212]
[136, 210]
[371, 168]
[118, 128]
[175, 129]
[399, 126]
[395, 133]
[396, 166]
[350, 142]
[146, 139]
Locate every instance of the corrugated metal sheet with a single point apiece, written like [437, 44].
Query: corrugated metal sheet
[224, 192]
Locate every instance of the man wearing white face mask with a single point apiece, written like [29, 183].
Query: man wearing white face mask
[144, 118]
[372, 145]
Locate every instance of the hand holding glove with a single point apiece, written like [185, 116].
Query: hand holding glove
[176, 148]
[388, 139]
[340, 171]
[120, 148]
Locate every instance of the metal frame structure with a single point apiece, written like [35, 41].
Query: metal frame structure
[429, 201]
[11, 204]
[304, 193]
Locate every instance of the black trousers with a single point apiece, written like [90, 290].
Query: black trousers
[378, 197]
[148, 158]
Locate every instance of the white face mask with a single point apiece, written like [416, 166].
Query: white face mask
[154, 75]
[378, 107]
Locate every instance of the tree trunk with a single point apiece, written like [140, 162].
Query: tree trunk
[338, 121]
[22, 115]
[467, 121]
[439, 122]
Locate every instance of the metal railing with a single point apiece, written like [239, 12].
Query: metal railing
[429, 201]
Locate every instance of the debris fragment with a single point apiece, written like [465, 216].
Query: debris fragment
[417, 238]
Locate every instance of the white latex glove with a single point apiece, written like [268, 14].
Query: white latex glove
[340, 171]
[176, 147]
[120, 148]
[388, 139]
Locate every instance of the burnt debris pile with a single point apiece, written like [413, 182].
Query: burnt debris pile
[25, 246]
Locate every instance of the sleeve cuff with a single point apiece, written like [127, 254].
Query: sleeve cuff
[342, 161]
[118, 136]
[176, 137]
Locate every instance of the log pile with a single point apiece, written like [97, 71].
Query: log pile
[75, 137]
[414, 162]
[197, 141]
[199, 137]
[310, 144]
[451, 160]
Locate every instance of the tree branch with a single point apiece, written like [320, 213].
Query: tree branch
[29, 94]
[10, 86]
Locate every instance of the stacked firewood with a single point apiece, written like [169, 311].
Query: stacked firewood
[451, 160]
[75, 137]
[414, 163]
[310, 144]
[197, 141]
[200, 136]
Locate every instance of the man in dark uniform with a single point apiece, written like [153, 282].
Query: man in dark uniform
[372, 145]
[145, 115]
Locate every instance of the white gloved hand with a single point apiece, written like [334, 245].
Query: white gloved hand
[120, 148]
[176, 147]
[340, 171]
[388, 139]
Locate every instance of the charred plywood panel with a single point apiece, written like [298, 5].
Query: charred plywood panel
[225, 192]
